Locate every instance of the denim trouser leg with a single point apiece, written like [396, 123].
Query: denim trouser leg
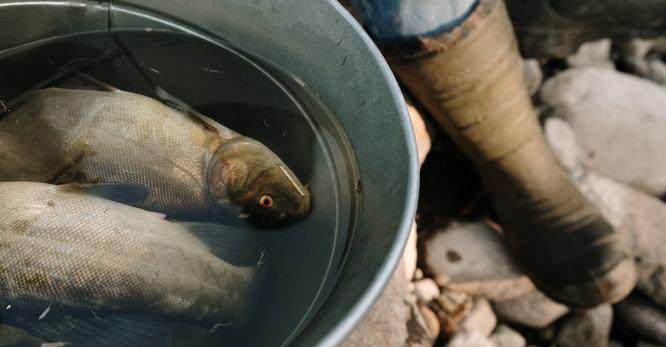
[393, 21]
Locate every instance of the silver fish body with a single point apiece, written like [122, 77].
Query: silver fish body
[84, 136]
[64, 252]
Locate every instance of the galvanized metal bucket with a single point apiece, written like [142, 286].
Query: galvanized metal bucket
[318, 41]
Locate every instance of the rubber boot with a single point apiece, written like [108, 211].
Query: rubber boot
[471, 81]
[555, 28]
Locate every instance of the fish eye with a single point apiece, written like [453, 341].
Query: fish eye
[266, 201]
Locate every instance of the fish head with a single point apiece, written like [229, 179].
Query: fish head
[247, 174]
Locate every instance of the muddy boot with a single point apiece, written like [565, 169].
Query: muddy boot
[555, 28]
[470, 78]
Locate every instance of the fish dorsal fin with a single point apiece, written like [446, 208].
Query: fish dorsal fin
[125, 193]
[207, 122]
[82, 81]
[234, 245]
[112, 330]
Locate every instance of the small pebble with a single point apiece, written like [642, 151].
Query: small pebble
[481, 319]
[507, 337]
[473, 339]
[418, 274]
[426, 290]
[431, 321]
[451, 308]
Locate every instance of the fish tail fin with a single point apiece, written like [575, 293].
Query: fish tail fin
[113, 330]
[234, 245]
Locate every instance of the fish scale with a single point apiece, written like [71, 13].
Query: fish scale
[111, 137]
[84, 253]
[192, 167]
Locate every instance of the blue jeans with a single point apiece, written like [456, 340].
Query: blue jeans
[395, 21]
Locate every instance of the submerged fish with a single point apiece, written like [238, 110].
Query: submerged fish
[192, 167]
[65, 253]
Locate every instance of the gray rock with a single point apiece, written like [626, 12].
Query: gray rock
[645, 319]
[593, 53]
[587, 328]
[470, 340]
[473, 259]
[386, 323]
[534, 310]
[507, 337]
[619, 121]
[481, 319]
[426, 290]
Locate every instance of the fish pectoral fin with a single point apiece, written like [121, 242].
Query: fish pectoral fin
[111, 330]
[125, 193]
[234, 245]
[82, 81]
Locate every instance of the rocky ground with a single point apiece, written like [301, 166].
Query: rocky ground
[603, 111]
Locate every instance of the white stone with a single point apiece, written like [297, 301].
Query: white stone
[426, 290]
[507, 337]
[481, 319]
[533, 75]
[562, 141]
[470, 340]
[431, 321]
[469, 252]
[619, 122]
[593, 53]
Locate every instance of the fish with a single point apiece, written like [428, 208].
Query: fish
[66, 253]
[192, 167]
